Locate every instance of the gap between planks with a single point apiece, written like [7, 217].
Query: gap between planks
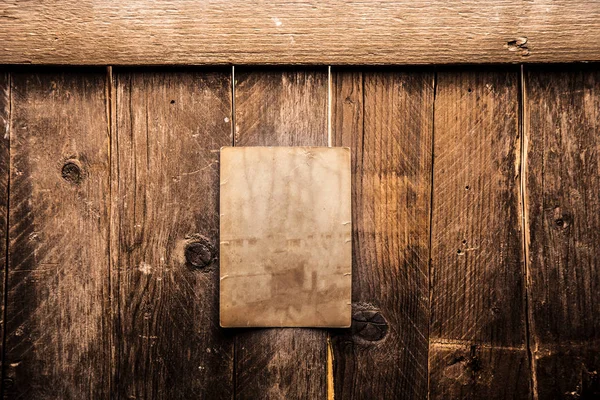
[435, 81]
[330, 383]
[233, 137]
[111, 119]
[524, 136]
[329, 83]
[233, 127]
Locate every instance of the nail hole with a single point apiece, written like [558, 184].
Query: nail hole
[469, 90]
[172, 101]
[467, 187]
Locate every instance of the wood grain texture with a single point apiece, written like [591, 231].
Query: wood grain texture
[298, 32]
[281, 108]
[58, 312]
[477, 271]
[562, 128]
[4, 181]
[461, 370]
[169, 127]
[386, 118]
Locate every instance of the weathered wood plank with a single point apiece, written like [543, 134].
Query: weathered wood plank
[281, 108]
[4, 176]
[58, 311]
[562, 128]
[477, 271]
[467, 371]
[298, 32]
[169, 127]
[386, 118]
[275, 108]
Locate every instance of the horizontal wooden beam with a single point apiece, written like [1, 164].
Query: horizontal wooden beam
[367, 32]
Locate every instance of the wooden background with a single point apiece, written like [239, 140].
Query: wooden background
[476, 220]
[334, 32]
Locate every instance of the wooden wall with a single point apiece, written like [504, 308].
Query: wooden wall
[476, 220]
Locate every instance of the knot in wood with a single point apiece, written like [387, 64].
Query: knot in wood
[562, 220]
[200, 252]
[519, 45]
[71, 172]
[369, 325]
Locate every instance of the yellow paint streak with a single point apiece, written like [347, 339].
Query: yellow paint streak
[330, 391]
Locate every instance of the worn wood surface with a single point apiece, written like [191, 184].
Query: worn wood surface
[386, 118]
[477, 273]
[58, 342]
[562, 110]
[298, 32]
[168, 128]
[4, 183]
[285, 237]
[113, 229]
[281, 108]
[459, 370]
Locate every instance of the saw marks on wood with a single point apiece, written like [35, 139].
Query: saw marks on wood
[58, 341]
[285, 237]
[281, 107]
[477, 285]
[562, 109]
[168, 129]
[386, 118]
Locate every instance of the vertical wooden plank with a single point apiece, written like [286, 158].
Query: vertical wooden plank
[4, 174]
[563, 214]
[58, 315]
[478, 327]
[281, 108]
[386, 118]
[169, 127]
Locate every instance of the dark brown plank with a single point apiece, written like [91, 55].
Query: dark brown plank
[463, 371]
[58, 311]
[334, 32]
[4, 175]
[477, 271]
[563, 215]
[281, 108]
[169, 127]
[386, 118]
